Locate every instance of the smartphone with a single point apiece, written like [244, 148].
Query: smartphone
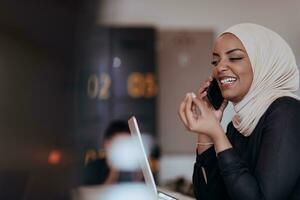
[214, 94]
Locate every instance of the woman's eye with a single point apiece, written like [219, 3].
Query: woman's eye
[214, 62]
[234, 59]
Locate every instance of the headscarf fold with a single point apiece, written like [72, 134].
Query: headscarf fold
[275, 73]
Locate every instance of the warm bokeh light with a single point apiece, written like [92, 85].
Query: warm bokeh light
[54, 157]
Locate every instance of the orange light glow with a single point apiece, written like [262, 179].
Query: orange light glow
[54, 157]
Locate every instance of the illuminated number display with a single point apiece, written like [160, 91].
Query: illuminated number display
[99, 86]
[92, 86]
[104, 86]
[138, 85]
[150, 85]
[141, 85]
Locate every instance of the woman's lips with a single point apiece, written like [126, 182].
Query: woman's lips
[227, 82]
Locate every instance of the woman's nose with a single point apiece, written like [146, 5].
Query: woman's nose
[222, 66]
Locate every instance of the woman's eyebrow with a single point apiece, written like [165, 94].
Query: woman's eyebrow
[215, 54]
[228, 52]
[232, 50]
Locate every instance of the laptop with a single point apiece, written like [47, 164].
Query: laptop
[148, 176]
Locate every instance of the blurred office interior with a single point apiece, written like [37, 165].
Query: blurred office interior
[69, 67]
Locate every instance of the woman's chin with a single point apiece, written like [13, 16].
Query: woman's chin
[230, 97]
[227, 95]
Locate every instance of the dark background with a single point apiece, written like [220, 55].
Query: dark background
[38, 48]
[48, 51]
[134, 47]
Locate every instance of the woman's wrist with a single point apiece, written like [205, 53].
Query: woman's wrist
[204, 142]
[220, 140]
[216, 132]
[204, 138]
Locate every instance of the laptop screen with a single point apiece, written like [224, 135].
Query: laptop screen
[136, 135]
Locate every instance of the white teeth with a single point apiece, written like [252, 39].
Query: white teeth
[228, 80]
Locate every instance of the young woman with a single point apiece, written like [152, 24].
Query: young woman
[257, 157]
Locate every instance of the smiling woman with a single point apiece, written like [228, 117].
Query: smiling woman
[257, 158]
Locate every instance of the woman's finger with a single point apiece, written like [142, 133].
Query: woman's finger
[182, 110]
[202, 95]
[200, 104]
[205, 85]
[224, 104]
[188, 112]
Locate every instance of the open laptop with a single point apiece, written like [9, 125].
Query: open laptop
[148, 176]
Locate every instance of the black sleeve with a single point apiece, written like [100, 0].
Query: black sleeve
[278, 164]
[214, 188]
[95, 172]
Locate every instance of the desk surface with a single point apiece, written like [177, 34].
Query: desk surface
[175, 194]
[95, 193]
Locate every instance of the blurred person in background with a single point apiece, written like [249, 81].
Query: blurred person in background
[99, 170]
[258, 157]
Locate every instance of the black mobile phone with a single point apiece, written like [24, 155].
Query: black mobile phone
[214, 94]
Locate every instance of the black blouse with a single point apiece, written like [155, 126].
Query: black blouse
[95, 172]
[265, 165]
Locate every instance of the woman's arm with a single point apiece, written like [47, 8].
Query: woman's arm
[208, 185]
[202, 139]
[207, 180]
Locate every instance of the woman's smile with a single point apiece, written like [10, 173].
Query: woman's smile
[227, 82]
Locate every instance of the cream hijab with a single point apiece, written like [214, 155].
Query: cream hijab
[275, 73]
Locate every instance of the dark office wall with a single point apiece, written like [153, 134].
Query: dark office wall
[34, 100]
[35, 111]
[117, 80]
[38, 41]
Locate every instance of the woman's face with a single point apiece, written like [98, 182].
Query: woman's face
[232, 67]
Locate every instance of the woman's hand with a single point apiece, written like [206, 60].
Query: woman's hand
[202, 138]
[202, 94]
[206, 122]
[203, 122]
[192, 119]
